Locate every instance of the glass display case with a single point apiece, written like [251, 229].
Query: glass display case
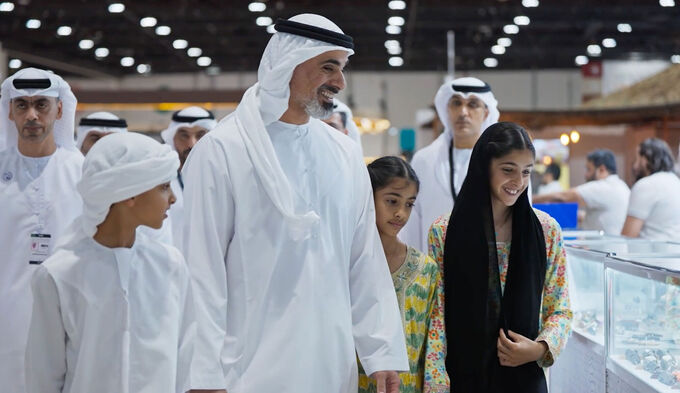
[580, 368]
[643, 321]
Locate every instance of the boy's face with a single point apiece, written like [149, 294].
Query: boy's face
[150, 207]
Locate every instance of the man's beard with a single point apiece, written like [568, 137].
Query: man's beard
[320, 109]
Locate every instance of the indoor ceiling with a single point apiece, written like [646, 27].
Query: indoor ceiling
[547, 34]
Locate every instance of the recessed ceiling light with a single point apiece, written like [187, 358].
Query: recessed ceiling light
[581, 60]
[271, 29]
[101, 52]
[33, 24]
[204, 61]
[396, 21]
[194, 52]
[396, 61]
[86, 44]
[667, 3]
[257, 6]
[609, 43]
[14, 64]
[497, 49]
[391, 29]
[148, 21]
[594, 50]
[675, 59]
[490, 62]
[392, 44]
[396, 5]
[263, 21]
[127, 61]
[396, 50]
[7, 6]
[511, 29]
[521, 20]
[116, 8]
[163, 30]
[143, 68]
[64, 31]
[504, 41]
[180, 44]
[624, 27]
[530, 3]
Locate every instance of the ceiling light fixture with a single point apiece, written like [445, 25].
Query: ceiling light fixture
[64, 31]
[116, 8]
[263, 21]
[7, 6]
[396, 61]
[511, 29]
[257, 6]
[396, 5]
[490, 62]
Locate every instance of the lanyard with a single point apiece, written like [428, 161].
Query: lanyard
[453, 172]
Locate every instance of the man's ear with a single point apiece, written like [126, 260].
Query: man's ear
[59, 109]
[130, 202]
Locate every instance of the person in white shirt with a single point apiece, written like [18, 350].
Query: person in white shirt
[290, 278]
[604, 196]
[466, 107]
[654, 206]
[113, 311]
[550, 180]
[187, 127]
[39, 168]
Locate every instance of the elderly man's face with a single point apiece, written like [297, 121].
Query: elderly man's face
[467, 116]
[316, 81]
[34, 116]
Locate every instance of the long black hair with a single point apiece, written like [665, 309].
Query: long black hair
[475, 306]
[383, 170]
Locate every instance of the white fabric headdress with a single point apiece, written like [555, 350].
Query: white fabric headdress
[119, 167]
[31, 82]
[352, 130]
[188, 117]
[266, 101]
[99, 121]
[465, 87]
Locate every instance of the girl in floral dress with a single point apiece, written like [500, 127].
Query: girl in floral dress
[416, 277]
[506, 300]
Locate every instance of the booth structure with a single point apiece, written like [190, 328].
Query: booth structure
[625, 296]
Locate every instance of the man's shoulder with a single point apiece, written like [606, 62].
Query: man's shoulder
[168, 257]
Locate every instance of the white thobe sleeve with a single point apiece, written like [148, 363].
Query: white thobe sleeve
[187, 334]
[208, 229]
[46, 347]
[377, 327]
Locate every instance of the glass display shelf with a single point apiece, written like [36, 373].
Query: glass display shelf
[643, 320]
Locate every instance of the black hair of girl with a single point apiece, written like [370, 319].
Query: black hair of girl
[507, 137]
[383, 170]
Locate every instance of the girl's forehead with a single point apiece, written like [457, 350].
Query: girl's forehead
[400, 183]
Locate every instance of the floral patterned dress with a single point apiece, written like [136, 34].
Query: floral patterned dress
[418, 285]
[555, 316]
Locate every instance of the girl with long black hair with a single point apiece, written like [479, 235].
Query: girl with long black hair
[506, 301]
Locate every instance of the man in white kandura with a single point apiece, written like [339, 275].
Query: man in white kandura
[290, 278]
[39, 168]
[466, 107]
[187, 127]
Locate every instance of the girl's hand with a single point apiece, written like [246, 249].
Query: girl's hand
[518, 350]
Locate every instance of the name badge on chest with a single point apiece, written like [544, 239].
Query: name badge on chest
[40, 248]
